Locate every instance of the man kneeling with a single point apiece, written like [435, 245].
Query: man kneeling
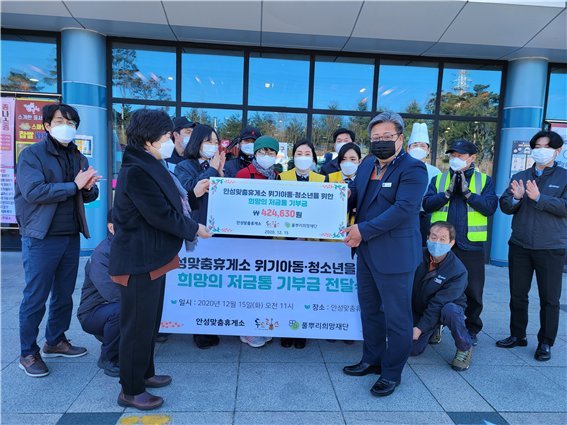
[99, 310]
[438, 297]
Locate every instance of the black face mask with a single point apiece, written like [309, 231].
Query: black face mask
[383, 150]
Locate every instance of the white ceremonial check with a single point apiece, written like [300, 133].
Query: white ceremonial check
[263, 287]
[291, 209]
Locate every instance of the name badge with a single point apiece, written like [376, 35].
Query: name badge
[387, 184]
[554, 186]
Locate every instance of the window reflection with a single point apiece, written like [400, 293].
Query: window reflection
[286, 127]
[121, 115]
[212, 76]
[482, 134]
[227, 122]
[407, 87]
[325, 125]
[143, 72]
[343, 83]
[278, 80]
[29, 63]
[557, 98]
[472, 90]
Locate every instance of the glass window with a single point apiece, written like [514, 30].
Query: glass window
[407, 87]
[121, 114]
[227, 122]
[278, 80]
[472, 90]
[286, 127]
[29, 63]
[212, 76]
[557, 98]
[483, 134]
[143, 72]
[324, 126]
[343, 83]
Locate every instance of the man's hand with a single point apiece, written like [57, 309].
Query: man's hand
[84, 177]
[518, 190]
[353, 237]
[201, 187]
[204, 232]
[416, 333]
[532, 190]
[92, 182]
[451, 189]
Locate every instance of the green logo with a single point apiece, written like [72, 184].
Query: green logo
[307, 306]
[293, 324]
[173, 301]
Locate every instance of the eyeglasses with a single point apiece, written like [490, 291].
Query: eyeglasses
[387, 137]
[266, 152]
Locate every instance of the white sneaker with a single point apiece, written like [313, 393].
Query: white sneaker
[255, 341]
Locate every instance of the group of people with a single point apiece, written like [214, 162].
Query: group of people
[419, 236]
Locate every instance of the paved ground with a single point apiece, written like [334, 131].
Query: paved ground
[236, 384]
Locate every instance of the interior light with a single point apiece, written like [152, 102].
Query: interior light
[362, 90]
[170, 78]
[35, 80]
[267, 85]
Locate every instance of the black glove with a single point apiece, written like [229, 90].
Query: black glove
[465, 186]
[450, 192]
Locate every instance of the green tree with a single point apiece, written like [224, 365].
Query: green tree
[20, 81]
[230, 127]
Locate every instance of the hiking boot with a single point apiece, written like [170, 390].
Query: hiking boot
[63, 349]
[462, 360]
[437, 335]
[109, 367]
[255, 341]
[33, 365]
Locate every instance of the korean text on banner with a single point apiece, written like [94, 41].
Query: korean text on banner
[277, 208]
[264, 287]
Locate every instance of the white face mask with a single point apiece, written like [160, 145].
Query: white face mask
[208, 151]
[303, 163]
[63, 133]
[543, 156]
[185, 141]
[457, 164]
[265, 161]
[247, 149]
[348, 168]
[166, 149]
[339, 145]
[418, 153]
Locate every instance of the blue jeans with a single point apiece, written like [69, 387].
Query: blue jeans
[50, 266]
[452, 316]
[104, 321]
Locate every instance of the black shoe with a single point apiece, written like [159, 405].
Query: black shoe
[384, 387]
[205, 341]
[543, 352]
[109, 367]
[362, 369]
[286, 342]
[299, 343]
[512, 342]
[162, 337]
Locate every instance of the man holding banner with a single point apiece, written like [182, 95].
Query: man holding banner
[387, 194]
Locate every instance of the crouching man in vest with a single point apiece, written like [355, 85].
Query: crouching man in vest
[465, 197]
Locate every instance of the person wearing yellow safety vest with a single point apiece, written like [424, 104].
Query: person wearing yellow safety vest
[465, 197]
[304, 159]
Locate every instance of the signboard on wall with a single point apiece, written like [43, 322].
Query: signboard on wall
[521, 159]
[21, 126]
[8, 212]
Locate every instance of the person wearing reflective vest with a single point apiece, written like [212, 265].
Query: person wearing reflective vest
[465, 197]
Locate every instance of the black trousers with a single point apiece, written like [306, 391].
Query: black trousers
[141, 305]
[104, 321]
[474, 263]
[548, 266]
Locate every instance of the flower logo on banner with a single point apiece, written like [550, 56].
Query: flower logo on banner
[214, 186]
[171, 325]
[342, 191]
[211, 225]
